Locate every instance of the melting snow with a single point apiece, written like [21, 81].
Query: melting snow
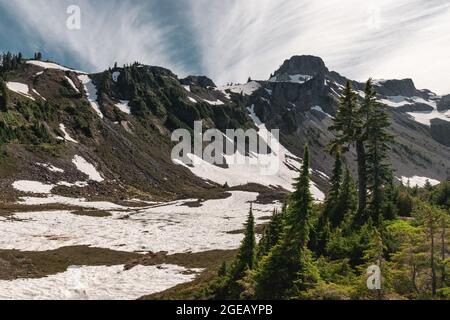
[246, 89]
[425, 117]
[49, 65]
[319, 109]
[187, 88]
[32, 186]
[91, 93]
[20, 88]
[244, 172]
[67, 137]
[192, 100]
[173, 227]
[87, 168]
[71, 83]
[418, 181]
[97, 283]
[296, 78]
[123, 106]
[50, 167]
[214, 103]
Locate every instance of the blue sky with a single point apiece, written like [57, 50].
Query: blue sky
[233, 39]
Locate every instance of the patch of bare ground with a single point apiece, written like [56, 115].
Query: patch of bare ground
[29, 264]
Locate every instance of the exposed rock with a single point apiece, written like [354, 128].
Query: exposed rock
[304, 65]
[444, 103]
[440, 130]
[200, 81]
[403, 87]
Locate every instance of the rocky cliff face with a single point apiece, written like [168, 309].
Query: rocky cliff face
[303, 108]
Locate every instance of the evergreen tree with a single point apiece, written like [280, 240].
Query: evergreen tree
[4, 96]
[328, 217]
[375, 132]
[348, 125]
[347, 202]
[272, 234]
[245, 261]
[288, 263]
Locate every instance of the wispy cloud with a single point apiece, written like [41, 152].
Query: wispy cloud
[231, 40]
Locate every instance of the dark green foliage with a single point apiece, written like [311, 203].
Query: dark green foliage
[348, 125]
[232, 279]
[10, 61]
[441, 195]
[288, 266]
[404, 204]
[4, 96]
[272, 234]
[375, 131]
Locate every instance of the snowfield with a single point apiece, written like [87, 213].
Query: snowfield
[236, 174]
[173, 227]
[97, 283]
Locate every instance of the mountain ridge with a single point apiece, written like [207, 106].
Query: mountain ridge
[120, 122]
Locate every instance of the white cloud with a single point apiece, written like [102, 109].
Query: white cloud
[111, 31]
[234, 39]
[381, 38]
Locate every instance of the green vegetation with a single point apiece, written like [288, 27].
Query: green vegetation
[323, 251]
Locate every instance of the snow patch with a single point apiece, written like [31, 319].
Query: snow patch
[192, 100]
[91, 93]
[214, 103]
[425, 117]
[246, 89]
[98, 283]
[50, 167]
[71, 84]
[296, 78]
[67, 137]
[38, 94]
[50, 65]
[87, 168]
[32, 186]
[20, 88]
[418, 181]
[319, 109]
[123, 106]
[187, 88]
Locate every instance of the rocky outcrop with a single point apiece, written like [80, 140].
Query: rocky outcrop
[444, 103]
[200, 81]
[440, 130]
[403, 87]
[304, 65]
